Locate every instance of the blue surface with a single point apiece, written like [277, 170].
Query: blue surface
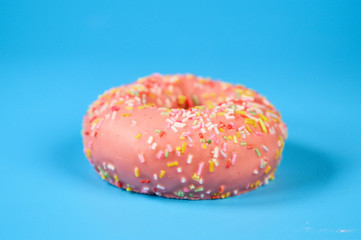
[57, 56]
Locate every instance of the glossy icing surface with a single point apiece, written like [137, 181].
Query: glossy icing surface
[182, 136]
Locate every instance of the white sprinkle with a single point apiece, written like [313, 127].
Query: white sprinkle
[111, 166]
[134, 123]
[229, 117]
[265, 148]
[235, 192]
[203, 130]
[169, 147]
[216, 130]
[190, 157]
[202, 195]
[208, 192]
[183, 179]
[155, 176]
[150, 140]
[154, 146]
[179, 169]
[223, 154]
[174, 128]
[255, 171]
[190, 139]
[145, 188]
[160, 154]
[234, 158]
[179, 125]
[141, 157]
[169, 121]
[200, 167]
[200, 181]
[215, 162]
[224, 147]
[160, 186]
[114, 114]
[215, 153]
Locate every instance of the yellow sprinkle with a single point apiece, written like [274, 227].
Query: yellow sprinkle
[138, 136]
[230, 138]
[182, 137]
[178, 149]
[267, 169]
[240, 112]
[173, 164]
[263, 126]
[126, 114]
[257, 183]
[195, 177]
[249, 121]
[129, 189]
[221, 129]
[272, 177]
[88, 153]
[162, 173]
[198, 114]
[136, 172]
[278, 154]
[211, 166]
[264, 118]
[227, 194]
[235, 139]
[140, 107]
[95, 121]
[204, 146]
[182, 99]
[238, 135]
[191, 186]
[116, 178]
[221, 113]
[129, 108]
[248, 129]
[103, 176]
[184, 145]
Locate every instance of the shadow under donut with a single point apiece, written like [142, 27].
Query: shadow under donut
[303, 172]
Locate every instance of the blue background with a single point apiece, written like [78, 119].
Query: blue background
[57, 56]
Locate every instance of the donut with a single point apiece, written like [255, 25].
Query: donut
[183, 136]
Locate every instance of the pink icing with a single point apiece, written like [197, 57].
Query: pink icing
[149, 137]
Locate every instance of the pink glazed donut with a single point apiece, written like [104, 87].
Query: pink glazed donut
[182, 136]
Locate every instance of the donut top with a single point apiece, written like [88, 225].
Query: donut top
[215, 115]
